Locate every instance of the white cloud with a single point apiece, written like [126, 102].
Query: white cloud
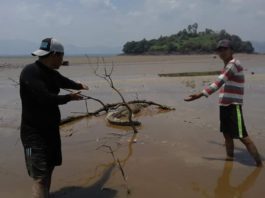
[109, 4]
[158, 6]
[135, 13]
[98, 4]
[113, 22]
[261, 13]
[40, 15]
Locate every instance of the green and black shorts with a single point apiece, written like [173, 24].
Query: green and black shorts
[232, 121]
[37, 162]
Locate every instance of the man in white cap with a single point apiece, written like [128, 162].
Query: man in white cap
[40, 84]
[231, 84]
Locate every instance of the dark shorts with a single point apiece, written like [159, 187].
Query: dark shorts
[37, 162]
[232, 121]
[42, 150]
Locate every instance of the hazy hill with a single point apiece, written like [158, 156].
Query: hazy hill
[23, 47]
[259, 46]
[187, 41]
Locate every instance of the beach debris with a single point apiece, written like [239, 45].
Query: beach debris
[5, 65]
[85, 97]
[120, 115]
[106, 189]
[107, 77]
[124, 177]
[121, 109]
[107, 107]
[182, 74]
[16, 83]
[117, 162]
[65, 63]
[190, 83]
[133, 141]
[206, 82]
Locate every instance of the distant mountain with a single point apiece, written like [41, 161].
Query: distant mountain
[17, 47]
[76, 50]
[187, 41]
[259, 46]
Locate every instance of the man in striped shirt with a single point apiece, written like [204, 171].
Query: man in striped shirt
[231, 85]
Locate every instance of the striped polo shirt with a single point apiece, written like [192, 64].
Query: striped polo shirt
[231, 84]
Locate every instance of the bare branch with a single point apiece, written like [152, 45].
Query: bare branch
[114, 105]
[107, 77]
[117, 161]
[89, 98]
[110, 149]
[86, 107]
[16, 83]
[112, 68]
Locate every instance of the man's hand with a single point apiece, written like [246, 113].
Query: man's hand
[84, 86]
[193, 97]
[76, 96]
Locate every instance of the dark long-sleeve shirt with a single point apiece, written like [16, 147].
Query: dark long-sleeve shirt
[39, 89]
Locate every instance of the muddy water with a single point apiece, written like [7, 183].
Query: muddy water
[175, 154]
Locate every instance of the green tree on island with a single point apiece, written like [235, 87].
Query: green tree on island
[187, 41]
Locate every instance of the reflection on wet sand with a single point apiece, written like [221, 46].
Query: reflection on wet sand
[241, 155]
[190, 83]
[225, 189]
[95, 190]
[102, 171]
[112, 145]
[165, 159]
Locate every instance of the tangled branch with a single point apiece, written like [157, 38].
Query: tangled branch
[107, 77]
[117, 161]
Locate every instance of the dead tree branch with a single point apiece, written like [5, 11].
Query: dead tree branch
[16, 83]
[90, 98]
[113, 105]
[117, 161]
[107, 77]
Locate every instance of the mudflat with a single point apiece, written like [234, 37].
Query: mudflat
[176, 153]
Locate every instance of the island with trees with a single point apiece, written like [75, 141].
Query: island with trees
[186, 41]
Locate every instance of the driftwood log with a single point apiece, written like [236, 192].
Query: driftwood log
[120, 112]
[123, 109]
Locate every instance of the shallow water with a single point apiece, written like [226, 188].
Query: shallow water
[175, 154]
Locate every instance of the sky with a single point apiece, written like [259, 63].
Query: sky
[88, 23]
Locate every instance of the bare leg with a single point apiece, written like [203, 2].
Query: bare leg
[252, 150]
[41, 187]
[229, 145]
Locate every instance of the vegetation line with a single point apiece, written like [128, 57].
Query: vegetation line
[183, 74]
[187, 41]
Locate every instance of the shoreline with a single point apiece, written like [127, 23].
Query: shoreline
[20, 61]
[178, 152]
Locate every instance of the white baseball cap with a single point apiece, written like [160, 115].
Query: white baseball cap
[47, 46]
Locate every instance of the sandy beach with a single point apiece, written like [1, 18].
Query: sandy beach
[176, 153]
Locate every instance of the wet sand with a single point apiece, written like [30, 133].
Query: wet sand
[175, 154]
